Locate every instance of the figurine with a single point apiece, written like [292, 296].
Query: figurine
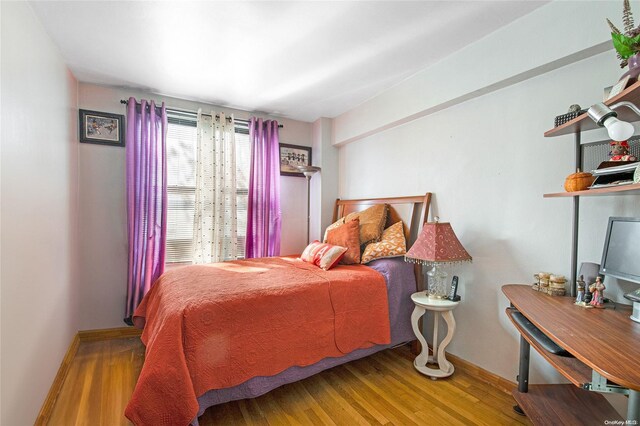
[583, 297]
[581, 286]
[587, 297]
[597, 289]
[620, 151]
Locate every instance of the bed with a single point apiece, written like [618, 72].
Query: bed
[268, 322]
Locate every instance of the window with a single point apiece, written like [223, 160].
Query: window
[181, 180]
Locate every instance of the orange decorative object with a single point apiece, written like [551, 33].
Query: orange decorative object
[578, 181]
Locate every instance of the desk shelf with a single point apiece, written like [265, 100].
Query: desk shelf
[554, 405]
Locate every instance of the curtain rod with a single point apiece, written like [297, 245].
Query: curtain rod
[192, 113]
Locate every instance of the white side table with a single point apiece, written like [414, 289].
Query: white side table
[440, 307]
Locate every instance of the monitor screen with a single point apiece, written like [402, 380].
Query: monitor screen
[621, 254]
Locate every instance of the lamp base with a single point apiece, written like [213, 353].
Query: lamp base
[437, 283]
[436, 296]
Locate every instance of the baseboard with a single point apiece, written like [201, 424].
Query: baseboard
[471, 369]
[108, 333]
[486, 376]
[47, 406]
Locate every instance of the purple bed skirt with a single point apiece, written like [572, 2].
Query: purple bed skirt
[400, 285]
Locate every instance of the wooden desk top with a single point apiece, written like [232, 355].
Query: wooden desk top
[606, 340]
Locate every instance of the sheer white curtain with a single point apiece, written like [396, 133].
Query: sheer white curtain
[215, 220]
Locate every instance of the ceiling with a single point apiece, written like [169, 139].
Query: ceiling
[301, 60]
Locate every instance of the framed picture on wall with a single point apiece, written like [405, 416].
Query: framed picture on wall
[292, 156]
[102, 128]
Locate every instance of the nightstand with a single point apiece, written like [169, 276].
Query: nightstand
[439, 307]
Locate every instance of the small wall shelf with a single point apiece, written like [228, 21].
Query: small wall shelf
[613, 190]
[583, 122]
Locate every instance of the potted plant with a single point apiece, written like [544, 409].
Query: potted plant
[627, 43]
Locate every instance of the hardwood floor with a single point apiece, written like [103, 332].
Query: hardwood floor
[381, 389]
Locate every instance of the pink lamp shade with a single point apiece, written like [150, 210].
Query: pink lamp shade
[437, 243]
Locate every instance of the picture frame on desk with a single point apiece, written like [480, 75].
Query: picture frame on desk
[617, 88]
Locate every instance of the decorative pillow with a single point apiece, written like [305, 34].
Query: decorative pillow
[323, 255]
[347, 235]
[334, 225]
[392, 244]
[372, 222]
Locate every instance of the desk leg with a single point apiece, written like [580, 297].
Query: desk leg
[523, 372]
[633, 409]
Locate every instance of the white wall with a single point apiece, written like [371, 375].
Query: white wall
[324, 185]
[103, 230]
[39, 212]
[488, 164]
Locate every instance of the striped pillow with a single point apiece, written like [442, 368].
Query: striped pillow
[323, 255]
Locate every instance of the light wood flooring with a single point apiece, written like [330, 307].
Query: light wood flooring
[381, 389]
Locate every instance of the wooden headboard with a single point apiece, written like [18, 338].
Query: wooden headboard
[413, 211]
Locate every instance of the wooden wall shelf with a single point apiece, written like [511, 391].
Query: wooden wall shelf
[583, 122]
[614, 190]
[576, 127]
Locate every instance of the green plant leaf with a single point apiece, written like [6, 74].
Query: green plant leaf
[625, 46]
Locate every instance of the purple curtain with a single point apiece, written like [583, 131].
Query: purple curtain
[263, 215]
[146, 198]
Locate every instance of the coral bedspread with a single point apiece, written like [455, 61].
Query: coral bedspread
[215, 326]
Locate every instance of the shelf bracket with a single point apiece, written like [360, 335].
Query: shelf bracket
[599, 384]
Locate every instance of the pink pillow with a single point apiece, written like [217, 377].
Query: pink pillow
[323, 255]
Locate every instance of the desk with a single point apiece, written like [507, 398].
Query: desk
[605, 344]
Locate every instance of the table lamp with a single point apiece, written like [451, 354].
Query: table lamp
[308, 171]
[437, 245]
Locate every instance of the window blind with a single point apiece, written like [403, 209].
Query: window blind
[181, 180]
[181, 162]
[243, 165]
